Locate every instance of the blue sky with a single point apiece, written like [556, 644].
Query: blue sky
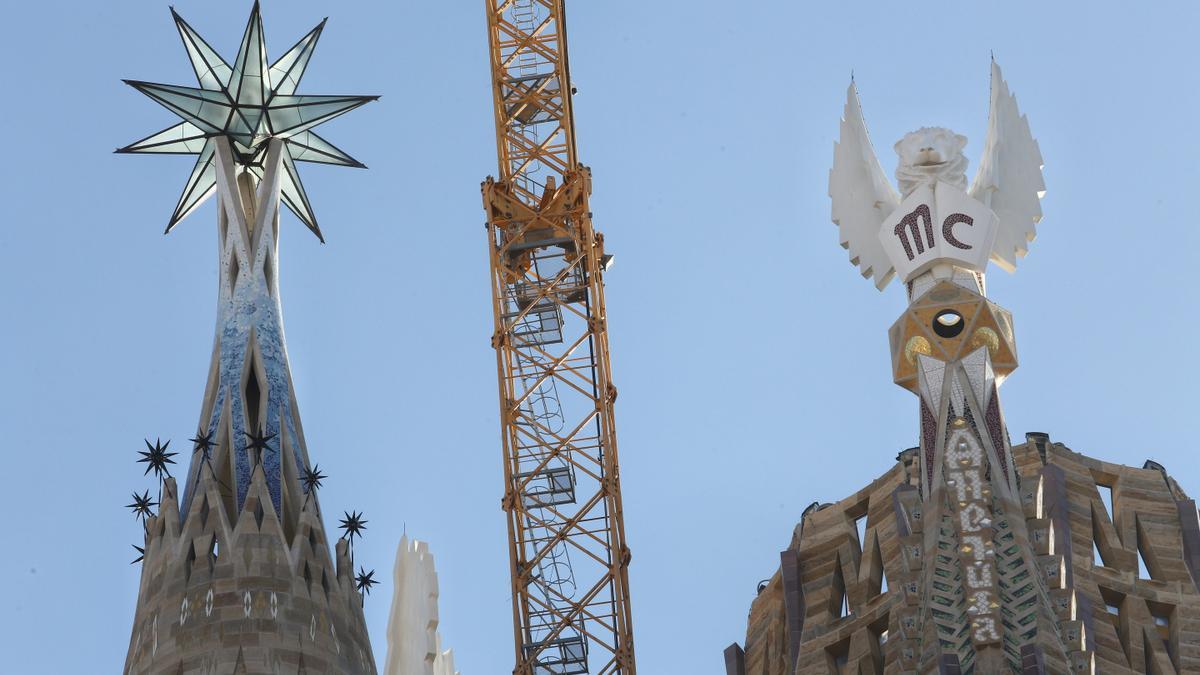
[751, 358]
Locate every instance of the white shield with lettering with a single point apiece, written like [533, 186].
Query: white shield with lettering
[938, 225]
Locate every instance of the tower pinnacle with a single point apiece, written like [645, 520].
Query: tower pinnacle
[249, 104]
[953, 347]
[239, 572]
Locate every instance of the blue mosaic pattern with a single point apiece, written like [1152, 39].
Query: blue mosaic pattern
[253, 311]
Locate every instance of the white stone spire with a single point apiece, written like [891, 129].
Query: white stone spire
[414, 643]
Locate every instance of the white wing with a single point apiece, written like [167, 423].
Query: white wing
[862, 196]
[1009, 179]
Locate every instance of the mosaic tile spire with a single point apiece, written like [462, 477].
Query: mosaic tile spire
[238, 576]
[249, 128]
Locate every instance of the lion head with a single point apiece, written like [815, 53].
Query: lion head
[931, 154]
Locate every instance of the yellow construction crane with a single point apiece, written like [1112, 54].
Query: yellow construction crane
[562, 491]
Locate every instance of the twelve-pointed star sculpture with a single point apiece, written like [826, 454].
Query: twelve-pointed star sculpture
[156, 457]
[249, 103]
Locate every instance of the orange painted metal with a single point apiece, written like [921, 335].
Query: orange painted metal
[562, 495]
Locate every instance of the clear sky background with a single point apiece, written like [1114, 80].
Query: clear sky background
[751, 358]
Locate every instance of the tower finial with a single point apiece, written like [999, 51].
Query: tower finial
[248, 127]
[249, 103]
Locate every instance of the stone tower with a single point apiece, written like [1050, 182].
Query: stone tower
[971, 555]
[238, 574]
[1112, 587]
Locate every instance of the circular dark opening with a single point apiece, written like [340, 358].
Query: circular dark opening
[948, 323]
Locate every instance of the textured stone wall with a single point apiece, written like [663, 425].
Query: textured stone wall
[1091, 609]
[224, 597]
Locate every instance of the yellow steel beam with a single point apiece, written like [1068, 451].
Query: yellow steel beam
[567, 552]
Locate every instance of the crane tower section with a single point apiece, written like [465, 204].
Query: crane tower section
[567, 550]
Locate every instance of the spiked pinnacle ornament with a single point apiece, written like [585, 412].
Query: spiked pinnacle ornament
[312, 478]
[156, 457]
[353, 524]
[141, 554]
[249, 103]
[142, 506]
[364, 581]
[258, 443]
[312, 481]
[204, 444]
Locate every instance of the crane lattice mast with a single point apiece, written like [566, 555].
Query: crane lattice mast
[567, 551]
